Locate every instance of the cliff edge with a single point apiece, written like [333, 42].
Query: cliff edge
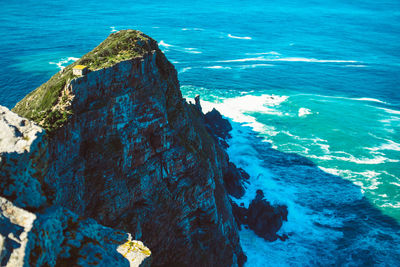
[123, 148]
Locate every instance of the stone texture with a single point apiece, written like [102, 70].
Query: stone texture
[133, 155]
[15, 224]
[22, 146]
[262, 217]
[234, 180]
[59, 237]
[218, 127]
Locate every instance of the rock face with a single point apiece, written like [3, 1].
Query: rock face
[130, 153]
[234, 179]
[19, 139]
[43, 234]
[218, 126]
[263, 218]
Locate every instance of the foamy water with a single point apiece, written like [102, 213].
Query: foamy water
[315, 223]
[239, 37]
[317, 79]
[64, 62]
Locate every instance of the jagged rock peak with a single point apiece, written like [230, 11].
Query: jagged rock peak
[49, 105]
[124, 148]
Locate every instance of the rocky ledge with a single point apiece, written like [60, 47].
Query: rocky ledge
[117, 148]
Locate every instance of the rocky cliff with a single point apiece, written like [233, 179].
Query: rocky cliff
[121, 150]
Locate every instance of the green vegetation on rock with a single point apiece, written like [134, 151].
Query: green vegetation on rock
[49, 104]
[119, 46]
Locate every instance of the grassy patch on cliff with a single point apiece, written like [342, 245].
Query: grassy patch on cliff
[47, 104]
[119, 46]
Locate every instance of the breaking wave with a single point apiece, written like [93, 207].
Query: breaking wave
[239, 37]
[64, 62]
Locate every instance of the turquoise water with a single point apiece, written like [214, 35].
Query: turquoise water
[317, 78]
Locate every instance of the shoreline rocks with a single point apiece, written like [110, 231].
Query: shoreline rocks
[261, 217]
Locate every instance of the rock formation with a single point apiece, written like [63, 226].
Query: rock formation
[33, 231]
[122, 150]
[262, 217]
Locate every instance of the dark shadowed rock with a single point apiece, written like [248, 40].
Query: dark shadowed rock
[234, 179]
[197, 102]
[261, 217]
[264, 219]
[218, 126]
[240, 214]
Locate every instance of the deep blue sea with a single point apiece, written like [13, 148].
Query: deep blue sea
[320, 79]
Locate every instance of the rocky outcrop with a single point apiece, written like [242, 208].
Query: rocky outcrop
[15, 224]
[43, 234]
[19, 140]
[262, 217]
[125, 149]
[234, 180]
[218, 126]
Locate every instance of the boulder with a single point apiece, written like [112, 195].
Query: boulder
[264, 219]
[261, 217]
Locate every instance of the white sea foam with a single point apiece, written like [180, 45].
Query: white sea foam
[389, 145]
[364, 160]
[264, 53]
[389, 121]
[366, 99]
[391, 205]
[189, 50]
[164, 44]
[184, 69]
[312, 233]
[217, 67]
[301, 224]
[369, 100]
[289, 59]
[64, 61]
[371, 179]
[192, 29]
[245, 59]
[304, 112]
[255, 66]
[239, 37]
[385, 172]
[192, 50]
[391, 111]
[238, 107]
[355, 66]
[301, 59]
[113, 29]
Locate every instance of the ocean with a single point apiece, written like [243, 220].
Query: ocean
[312, 89]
